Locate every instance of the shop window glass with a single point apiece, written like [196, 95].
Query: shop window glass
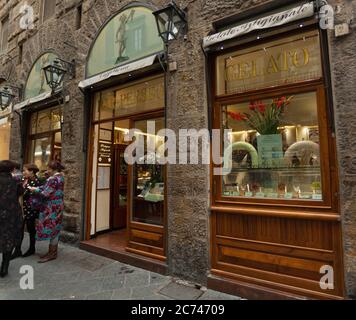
[284, 61]
[56, 119]
[139, 97]
[41, 155]
[129, 36]
[148, 181]
[121, 131]
[36, 82]
[275, 148]
[107, 105]
[143, 96]
[57, 146]
[96, 107]
[44, 121]
[45, 136]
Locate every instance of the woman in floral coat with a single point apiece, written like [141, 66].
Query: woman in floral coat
[10, 214]
[49, 223]
[30, 209]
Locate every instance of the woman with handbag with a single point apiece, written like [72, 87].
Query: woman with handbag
[30, 209]
[10, 213]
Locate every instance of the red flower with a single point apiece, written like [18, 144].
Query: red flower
[281, 101]
[261, 107]
[252, 106]
[237, 116]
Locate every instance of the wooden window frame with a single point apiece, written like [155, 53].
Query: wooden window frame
[328, 170]
[45, 134]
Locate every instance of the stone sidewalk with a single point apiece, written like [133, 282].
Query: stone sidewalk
[78, 274]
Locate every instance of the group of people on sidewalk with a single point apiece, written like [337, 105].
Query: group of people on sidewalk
[31, 202]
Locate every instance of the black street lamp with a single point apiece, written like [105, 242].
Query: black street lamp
[6, 98]
[171, 20]
[55, 71]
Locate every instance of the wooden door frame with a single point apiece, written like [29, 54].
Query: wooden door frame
[156, 113]
[140, 225]
[116, 148]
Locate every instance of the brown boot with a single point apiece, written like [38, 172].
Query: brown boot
[44, 255]
[51, 255]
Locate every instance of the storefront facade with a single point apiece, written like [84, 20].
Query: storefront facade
[280, 193]
[286, 208]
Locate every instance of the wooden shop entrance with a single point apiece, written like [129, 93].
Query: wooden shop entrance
[125, 214]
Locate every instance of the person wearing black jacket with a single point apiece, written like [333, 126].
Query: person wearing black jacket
[10, 213]
[31, 204]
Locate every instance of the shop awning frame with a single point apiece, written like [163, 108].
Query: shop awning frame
[302, 11]
[119, 70]
[33, 100]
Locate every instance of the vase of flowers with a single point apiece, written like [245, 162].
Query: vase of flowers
[265, 119]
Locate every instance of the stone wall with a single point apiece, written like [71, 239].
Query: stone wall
[187, 107]
[343, 75]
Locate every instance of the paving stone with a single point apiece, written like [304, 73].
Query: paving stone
[158, 278]
[215, 295]
[92, 263]
[137, 279]
[180, 292]
[75, 275]
[150, 290]
[153, 297]
[122, 294]
[113, 283]
[104, 295]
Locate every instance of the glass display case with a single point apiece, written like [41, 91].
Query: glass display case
[148, 197]
[273, 150]
[148, 179]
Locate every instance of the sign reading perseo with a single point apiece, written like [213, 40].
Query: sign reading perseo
[291, 60]
[143, 96]
[303, 11]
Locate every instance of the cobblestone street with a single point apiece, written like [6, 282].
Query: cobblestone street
[77, 274]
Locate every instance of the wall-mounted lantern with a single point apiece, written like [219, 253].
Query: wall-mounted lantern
[6, 98]
[171, 21]
[55, 71]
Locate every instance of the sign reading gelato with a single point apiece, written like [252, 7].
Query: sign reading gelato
[289, 60]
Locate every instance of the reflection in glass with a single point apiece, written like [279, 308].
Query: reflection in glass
[46, 137]
[148, 181]
[275, 148]
[36, 83]
[41, 153]
[130, 35]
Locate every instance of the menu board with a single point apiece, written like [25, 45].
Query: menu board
[104, 153]
[103, 177]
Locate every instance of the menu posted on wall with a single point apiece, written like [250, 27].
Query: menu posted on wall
[104, 153]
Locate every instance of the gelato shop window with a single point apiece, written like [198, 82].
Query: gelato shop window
[271, 99]
[275, 148]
